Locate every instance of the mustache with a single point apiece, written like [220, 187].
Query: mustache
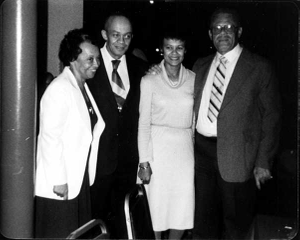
[222, 38]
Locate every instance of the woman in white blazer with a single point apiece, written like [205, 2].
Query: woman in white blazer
[70, 129]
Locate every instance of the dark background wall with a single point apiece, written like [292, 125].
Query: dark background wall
[269, 29]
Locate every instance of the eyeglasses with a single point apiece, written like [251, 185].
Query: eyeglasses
[226, 28]
[116, 35]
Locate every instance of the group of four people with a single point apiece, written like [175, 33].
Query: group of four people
[200, 152]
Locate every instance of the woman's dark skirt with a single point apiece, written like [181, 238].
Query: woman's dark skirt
[58, 218]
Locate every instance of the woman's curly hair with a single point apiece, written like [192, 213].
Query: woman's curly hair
[70, 46]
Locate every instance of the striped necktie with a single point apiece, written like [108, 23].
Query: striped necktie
[217, 93]
[117, 86]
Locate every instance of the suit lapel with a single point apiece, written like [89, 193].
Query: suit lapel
[240, 74]
[80, 102]
[201, 77]
[104, 85]
[131, 71]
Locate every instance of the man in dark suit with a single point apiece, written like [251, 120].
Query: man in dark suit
[237, 109]
[117, 96]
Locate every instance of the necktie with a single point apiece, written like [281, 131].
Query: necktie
[217, 93]
[117, 86]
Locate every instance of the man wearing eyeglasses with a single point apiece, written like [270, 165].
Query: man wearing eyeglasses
[116, 90]
[237, 109]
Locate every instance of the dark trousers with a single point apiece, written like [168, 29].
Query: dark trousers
[58, 218]
[223, 210]
[108, 196]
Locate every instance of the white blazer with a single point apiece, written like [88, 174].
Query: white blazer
[65, 138]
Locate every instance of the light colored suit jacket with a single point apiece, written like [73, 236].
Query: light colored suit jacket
[65, 137]
[248, 124]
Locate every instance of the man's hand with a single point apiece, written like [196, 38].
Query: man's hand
[61, 191]
[261, 175]
[154, 70]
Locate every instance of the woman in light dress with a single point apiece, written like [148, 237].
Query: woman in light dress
[165, 141]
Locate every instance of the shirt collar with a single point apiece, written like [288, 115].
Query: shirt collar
[231, 55]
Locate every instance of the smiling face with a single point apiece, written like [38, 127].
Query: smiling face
[87, 62]
[224, 32]
[118, 36]
[173, 51]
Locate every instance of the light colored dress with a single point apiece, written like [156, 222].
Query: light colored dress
[165, 139]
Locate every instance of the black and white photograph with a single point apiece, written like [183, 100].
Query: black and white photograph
[149, 119]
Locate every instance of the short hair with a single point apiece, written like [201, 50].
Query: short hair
[113, 15]
[234, 14]
[174, 35]
[69, 49]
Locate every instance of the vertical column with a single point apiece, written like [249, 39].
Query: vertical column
[18, 117]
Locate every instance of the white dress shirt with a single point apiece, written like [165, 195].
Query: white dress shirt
[204, 125]
[122, 69]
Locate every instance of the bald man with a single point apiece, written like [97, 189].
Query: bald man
[118, 103]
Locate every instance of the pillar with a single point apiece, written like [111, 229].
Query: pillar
[18, 117]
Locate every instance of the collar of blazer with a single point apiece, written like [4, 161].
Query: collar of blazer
[70, 77]
[201, 68]
[240, 74]
[76, 92]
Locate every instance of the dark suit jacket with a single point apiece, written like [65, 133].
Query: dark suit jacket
[118, 143]
[248, 124]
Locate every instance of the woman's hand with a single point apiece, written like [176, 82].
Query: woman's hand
[145, 172]
[61, 191]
